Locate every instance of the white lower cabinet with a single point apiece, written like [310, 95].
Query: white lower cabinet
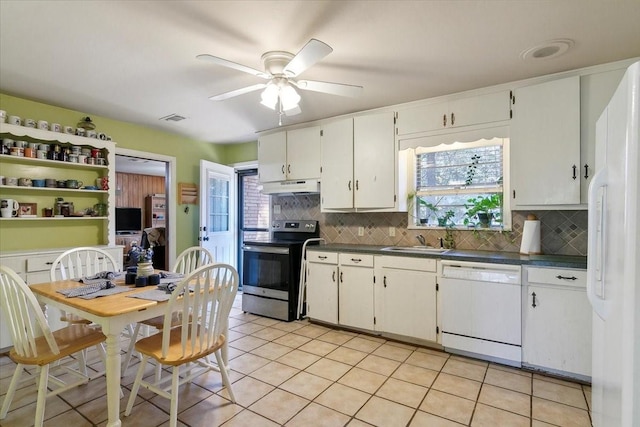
[405, 297]
[557, 321]
[322, 286]
[355, 290]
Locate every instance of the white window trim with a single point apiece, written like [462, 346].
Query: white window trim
[452, 145]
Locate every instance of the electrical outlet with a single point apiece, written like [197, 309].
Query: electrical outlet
[276, 209]
[360, 231]
[392, 232]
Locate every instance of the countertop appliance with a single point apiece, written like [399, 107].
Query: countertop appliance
[613, 283]
[481, 310]
[271, 269]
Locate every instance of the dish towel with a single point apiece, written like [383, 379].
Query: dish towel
[100, 277]
[87, 289]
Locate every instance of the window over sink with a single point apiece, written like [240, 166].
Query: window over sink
[459, 183]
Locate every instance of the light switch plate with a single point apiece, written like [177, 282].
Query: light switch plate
[392, 232]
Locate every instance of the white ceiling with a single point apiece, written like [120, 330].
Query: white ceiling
[134, 61]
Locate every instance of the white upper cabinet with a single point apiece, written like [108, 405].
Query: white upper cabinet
[545, 144]
[595, 92]
[488, 108]
[272, 157]
[359, 164]
[294, 154]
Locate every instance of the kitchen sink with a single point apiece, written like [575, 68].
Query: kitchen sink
[416, 249]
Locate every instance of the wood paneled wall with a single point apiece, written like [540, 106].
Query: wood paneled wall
[131, 189]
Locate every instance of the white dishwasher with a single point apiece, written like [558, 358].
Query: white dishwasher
[481, 310]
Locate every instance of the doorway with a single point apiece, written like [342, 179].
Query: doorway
[145, 181]
[254, 211]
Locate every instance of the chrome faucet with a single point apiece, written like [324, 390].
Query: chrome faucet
[420, 238]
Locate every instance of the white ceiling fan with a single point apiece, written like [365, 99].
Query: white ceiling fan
[281, 69]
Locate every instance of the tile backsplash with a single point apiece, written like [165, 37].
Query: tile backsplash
[562, 232]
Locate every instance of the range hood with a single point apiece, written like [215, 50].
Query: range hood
[309, 186]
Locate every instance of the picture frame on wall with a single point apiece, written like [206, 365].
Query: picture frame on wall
[28, 210]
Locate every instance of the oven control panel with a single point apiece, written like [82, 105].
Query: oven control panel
[303, 226]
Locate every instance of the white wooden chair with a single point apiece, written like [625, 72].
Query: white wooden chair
[35, 344]
[189, 260]
[74, 264]
[204, 299]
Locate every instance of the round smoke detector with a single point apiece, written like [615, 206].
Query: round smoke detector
[550, 49]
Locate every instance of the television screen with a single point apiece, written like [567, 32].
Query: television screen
[128, 220]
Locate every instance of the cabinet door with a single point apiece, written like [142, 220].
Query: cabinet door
[272, 157]
[492, 107]
[303, 153]
[336, 153]
[557, 333]
[406, 303]
[595, 92]
[375, 161]
[545, 144]
[423, 118]
[322, 292]
[355, 292]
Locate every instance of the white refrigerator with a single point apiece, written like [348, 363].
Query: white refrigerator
[613, 280]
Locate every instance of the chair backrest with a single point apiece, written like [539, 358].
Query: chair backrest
[191, 259]
[203, 299]
[80, 262]
[23, 315]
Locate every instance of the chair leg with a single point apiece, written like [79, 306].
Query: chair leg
[42, 395]
[225, 375]
[82, 362]
[158, 371]
[136, 385]
[175, 381]
[12, 389]
[132, 342]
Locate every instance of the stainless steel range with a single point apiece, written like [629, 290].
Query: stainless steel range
[271, 269]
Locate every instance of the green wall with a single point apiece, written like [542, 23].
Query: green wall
[187, 152]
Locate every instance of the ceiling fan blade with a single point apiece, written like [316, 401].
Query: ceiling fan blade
[293, 111]
[332, 88]
[237, 92]
[311, 53]
[234, 65]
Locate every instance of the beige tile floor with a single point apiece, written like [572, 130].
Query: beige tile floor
[300, 374]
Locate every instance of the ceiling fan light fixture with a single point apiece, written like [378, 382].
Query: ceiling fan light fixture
[289, 98]
[270, 96]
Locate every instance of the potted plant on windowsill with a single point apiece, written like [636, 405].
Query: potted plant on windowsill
[484, 208]
[429, 208]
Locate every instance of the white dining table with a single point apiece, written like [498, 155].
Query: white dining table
[113, 313]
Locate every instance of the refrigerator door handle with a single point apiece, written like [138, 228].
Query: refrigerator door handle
[596, 240]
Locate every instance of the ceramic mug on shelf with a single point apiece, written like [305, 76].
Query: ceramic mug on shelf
[11, 180]
[30, 123]
[9, 208]
[56, 127]
[41, 154]
[43, 125]
[15, 120]
[1, 180]
[3, 116]
[38, 182]
[92, 134]
[25, 182]
[50, 183]
[74, 183]
[69, 130]
[29, 152]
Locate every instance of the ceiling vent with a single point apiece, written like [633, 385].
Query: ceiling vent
[172, 118]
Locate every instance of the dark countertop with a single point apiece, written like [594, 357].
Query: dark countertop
[495, 257]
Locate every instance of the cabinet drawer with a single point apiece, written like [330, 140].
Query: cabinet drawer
[557, 276]
[16, 264]
[357, 260]
[407, 263]
[322, 257]
[41, 262]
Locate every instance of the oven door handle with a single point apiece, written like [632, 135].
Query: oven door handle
[266, 249]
